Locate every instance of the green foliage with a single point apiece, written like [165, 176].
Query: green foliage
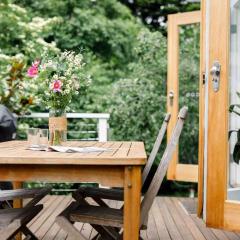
[138, 102]
[154, 13]
[189, 61]
[21, 39]
[126, 61]
[105, 32]
[234, 108]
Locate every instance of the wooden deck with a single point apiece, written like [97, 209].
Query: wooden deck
[170, 219]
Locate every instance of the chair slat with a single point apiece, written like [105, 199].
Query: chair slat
[162, 168]
[14, 220]
[117, 194]
[112, 194]
[112, 219]
[103, 216]
[156, 147]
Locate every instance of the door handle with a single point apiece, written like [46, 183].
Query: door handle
[171, 97]
[215, 73]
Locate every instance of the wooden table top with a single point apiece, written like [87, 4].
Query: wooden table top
[120, 153]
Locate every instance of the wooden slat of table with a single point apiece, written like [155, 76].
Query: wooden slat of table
[123, 153]
[136, 150]
[113, 146]
[124, 150]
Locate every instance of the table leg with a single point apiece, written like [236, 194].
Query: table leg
[17, 204]
[132, 200]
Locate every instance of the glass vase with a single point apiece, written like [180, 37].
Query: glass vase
[57, 127]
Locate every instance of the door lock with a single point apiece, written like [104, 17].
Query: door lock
[171, 94]
[171, 97]
[215, 72]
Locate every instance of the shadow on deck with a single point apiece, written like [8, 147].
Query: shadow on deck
[170, 219]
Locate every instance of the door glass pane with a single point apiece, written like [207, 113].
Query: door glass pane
[234, 95]
[189, 50]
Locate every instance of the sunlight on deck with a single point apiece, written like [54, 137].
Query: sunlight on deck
[170, 219]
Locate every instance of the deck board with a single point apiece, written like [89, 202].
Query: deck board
[168, 220]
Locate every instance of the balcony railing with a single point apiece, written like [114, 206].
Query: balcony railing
[101, 128]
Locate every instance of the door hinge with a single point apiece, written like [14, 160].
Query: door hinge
[203, 78]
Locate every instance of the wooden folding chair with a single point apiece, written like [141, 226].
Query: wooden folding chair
[97, 194]
[15, 220]
[108, 222]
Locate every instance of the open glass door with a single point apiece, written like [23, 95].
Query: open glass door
[183, 89]
[222, 174]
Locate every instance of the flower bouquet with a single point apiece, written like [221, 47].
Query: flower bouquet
[59, 78]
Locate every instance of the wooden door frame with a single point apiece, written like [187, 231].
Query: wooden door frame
[176, 171]
[217, 152]
[220, 212]
[202, 79]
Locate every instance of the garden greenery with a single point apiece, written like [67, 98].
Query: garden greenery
[126, 61]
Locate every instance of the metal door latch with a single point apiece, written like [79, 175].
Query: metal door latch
[215, 72]
[171, 97]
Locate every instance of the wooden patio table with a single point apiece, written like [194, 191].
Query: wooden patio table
[118, 167]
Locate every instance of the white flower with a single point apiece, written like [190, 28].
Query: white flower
[68, 72]
[67, 91]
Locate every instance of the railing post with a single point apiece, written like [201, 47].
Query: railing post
[102, 129]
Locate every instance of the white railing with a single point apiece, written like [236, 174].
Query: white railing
[102, 118]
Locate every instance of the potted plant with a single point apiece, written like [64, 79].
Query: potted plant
[235, 108]
[59, 78]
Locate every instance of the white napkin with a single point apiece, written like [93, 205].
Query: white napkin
[78, 149]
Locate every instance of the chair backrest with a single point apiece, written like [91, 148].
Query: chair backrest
[162, 168]
[156, 147]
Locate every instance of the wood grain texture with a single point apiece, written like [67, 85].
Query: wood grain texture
[14, 220]
[163, 166]
[201, 107]
[156, 147]
[17, 203]
[132, 198]
[159, 227]
[172, 85]
[217, 156]
[119, 153]
[174, 22]
[107, 168]
[231, 215]
[105, 175]
[187, 172]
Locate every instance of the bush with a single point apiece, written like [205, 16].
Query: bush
[138, 102]
[21, 40]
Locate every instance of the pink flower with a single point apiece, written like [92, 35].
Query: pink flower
[56, 86]
[33, 70]
[36, 63]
